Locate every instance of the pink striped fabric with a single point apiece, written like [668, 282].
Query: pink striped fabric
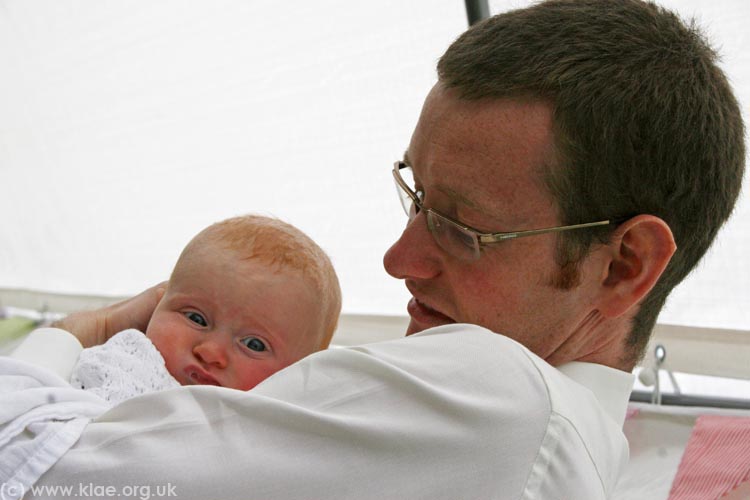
[632, 412]
[716, 459]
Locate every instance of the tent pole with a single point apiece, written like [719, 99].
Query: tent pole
[476, 10]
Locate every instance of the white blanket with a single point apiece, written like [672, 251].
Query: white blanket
[41, 417]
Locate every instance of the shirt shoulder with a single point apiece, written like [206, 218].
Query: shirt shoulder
[549, 431]
[585, 450]
[469, 400]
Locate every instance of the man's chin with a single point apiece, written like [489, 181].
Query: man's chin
[413, 327]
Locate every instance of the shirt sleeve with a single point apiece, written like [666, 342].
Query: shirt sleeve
[51, 348]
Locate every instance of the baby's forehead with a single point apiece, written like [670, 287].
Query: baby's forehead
[219, 256]
[268, 240]
[274, 246]
[225, 275]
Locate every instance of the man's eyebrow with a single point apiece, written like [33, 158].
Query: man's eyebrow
[456, 196]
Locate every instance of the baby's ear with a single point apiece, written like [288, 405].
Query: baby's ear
[639, 251]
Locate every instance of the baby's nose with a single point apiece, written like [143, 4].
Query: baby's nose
[211, 351]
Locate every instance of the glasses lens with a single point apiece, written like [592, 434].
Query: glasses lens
[452, 238]
[407, 202]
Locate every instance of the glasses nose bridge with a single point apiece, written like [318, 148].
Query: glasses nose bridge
[417, 233]
[413, 206]
[408, 200]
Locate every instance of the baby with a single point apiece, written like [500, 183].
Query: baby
[248, 296]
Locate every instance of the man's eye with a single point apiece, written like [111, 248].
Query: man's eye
[196, 318]
[254, 344]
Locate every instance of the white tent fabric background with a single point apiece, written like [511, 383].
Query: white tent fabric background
[127, 126]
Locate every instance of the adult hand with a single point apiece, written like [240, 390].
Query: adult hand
[95, 327]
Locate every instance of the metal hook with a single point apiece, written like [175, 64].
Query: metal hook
[660, 353]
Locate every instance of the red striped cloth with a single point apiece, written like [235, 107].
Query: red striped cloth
[716, 459]
[632, 412]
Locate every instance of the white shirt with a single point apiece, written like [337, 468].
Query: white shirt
[454, 412]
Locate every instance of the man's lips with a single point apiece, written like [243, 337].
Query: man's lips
[425, 316]
[198, 376]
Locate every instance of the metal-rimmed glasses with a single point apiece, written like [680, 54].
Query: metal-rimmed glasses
[456, 238]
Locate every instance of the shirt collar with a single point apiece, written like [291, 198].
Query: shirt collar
[610, 386]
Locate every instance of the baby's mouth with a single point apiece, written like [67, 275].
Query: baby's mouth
[199, 377]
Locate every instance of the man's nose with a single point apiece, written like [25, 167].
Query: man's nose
[415, 255]
[212, 350]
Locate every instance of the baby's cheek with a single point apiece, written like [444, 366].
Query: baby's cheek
[253, 373]
[169, 344]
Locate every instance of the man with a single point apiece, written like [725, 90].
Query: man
[572, 164]
[581, 112]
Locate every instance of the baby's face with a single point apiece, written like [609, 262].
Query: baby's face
[231, 322]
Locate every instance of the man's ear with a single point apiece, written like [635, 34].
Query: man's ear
[638, 253]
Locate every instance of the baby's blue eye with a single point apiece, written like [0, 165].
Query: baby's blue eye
[196, 318]
[254, 344]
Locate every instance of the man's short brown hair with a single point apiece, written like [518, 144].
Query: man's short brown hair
[645, 122]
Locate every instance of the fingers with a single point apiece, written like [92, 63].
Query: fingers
[87, 326]
[95, 327]
[134, 312]
[160, 290]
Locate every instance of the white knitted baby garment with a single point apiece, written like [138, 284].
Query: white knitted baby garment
[127, 365]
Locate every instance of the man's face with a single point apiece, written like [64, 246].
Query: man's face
[482, 163]
[233, 322]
